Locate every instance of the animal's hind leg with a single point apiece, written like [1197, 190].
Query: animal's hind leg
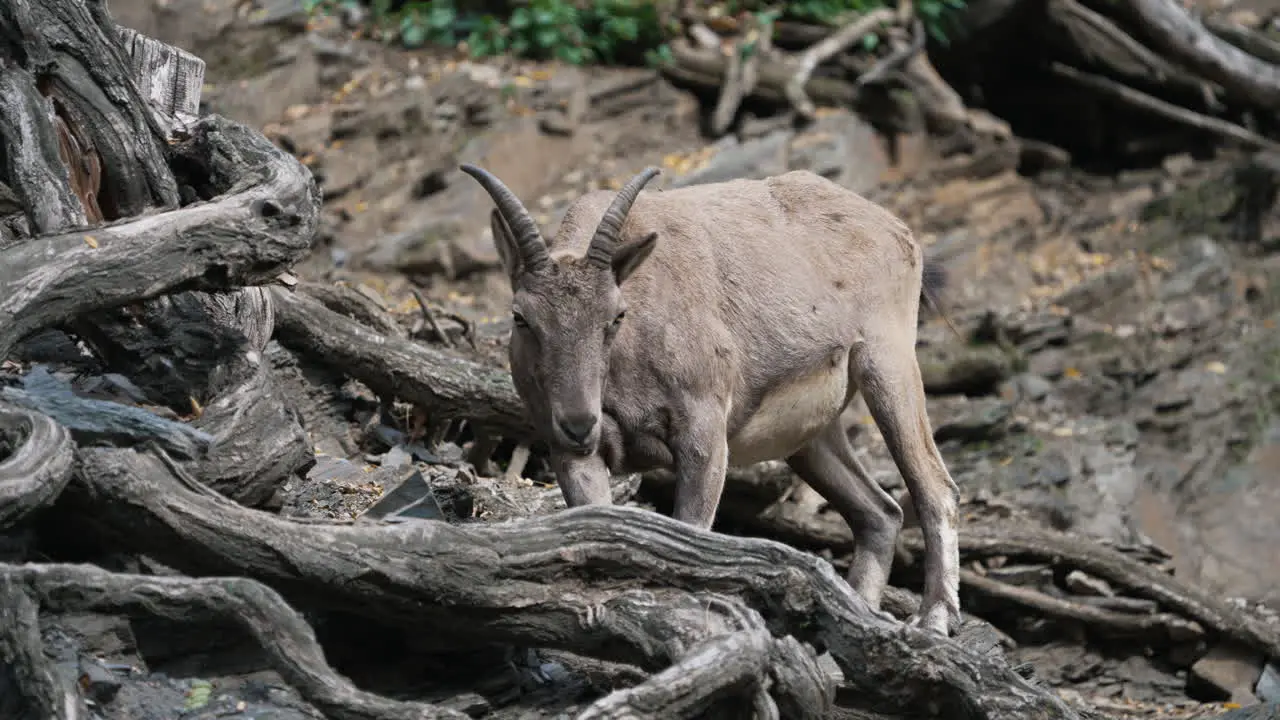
[829, 465]
[890, 381]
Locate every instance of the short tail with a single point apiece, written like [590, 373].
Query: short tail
[935, 281]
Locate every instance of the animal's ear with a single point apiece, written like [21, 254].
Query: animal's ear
[505, 242]
[629, 256]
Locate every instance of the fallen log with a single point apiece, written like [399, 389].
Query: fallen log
[581, 580]
[1230, 131]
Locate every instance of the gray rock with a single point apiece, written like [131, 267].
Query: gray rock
[1228, 672]
[1268, 687]
[842, 147]
[755, 159]
[1269, 711]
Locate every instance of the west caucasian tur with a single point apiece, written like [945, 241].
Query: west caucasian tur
[727, 324]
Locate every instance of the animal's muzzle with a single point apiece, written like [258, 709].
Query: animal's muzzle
[577, 430]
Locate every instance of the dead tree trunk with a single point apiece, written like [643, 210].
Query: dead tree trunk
[94, 126]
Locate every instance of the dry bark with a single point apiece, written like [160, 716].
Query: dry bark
[36, 456]
[567, 581]
[756, 500]
[162, 296]
[246, 237]
[446, 385]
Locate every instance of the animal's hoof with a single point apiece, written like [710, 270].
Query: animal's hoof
[936, 618]
[886, 616]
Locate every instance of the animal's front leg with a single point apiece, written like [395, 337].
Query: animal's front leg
[584, 479]
[701, 456]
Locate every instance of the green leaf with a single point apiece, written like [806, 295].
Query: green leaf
[519, 19]
[543, 17]
[870, 42]
[412, 34]
[570, 54]
[198, 695]
[547, 38]
[441, 16]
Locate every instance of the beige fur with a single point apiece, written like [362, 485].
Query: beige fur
[755, 311]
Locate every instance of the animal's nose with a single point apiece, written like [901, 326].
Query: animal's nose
[578, 427]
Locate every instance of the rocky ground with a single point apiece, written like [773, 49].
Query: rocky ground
[1118, 376]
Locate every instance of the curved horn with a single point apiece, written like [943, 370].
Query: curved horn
[600, 252]
[533, 252]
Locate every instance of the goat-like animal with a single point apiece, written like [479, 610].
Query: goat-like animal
[755, 310]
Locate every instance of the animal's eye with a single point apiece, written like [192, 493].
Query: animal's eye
[618, 320]
[518, 320]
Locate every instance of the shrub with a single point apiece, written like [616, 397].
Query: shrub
[587, 31]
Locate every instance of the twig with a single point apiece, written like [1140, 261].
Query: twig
[833, 45]
[1168, 625]
[741, 74]
[431, 319]
[895, 59]
[704, 37]
[1142, 100]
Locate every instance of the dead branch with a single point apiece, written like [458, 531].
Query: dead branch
[1147, 102]
[742, 72]
[447, 385]
[1099, 40]
[828, 48]
[706, 68]
[243, 238]
[563, 581]
[38, 684]
[754, 499]
[1120, 571]
[36, 457]
[732, 655]
[1250, 41]
[903, 51]
[287, 639]
[723, 664]
[1184, 40]
[1162, 626]
[346, 300]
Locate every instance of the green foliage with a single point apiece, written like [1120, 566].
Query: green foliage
[590, 31]
[934, 14]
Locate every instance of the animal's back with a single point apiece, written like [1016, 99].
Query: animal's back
[763, 282]
[779, 235]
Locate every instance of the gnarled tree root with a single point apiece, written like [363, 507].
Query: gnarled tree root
[1142, 580]
[34, 681]
[561, 581]
[446, 385]
[36, 457]
[247, 237]
[283, 634]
